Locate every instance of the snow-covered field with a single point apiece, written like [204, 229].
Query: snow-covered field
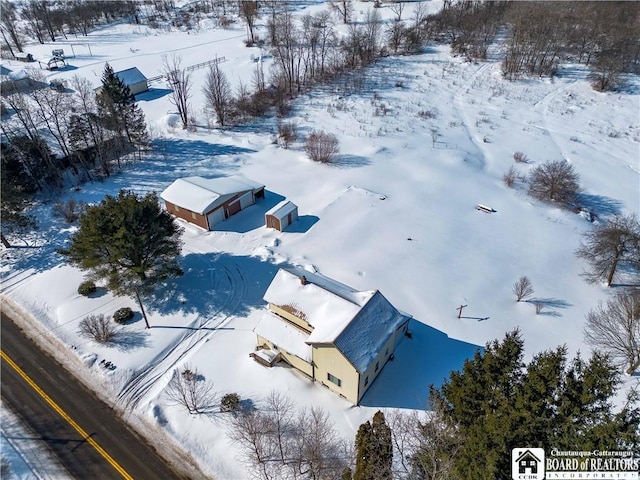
[396, 213]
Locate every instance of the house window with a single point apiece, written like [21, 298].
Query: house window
[333, 379]
[193, 215]
[377, 366]
[366, 381]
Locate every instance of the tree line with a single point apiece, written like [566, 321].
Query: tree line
[605, 36]
[90, 131]
[45, 20]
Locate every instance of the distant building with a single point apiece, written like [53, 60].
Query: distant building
[134, 79]
[282, 215]
[336, 335]
[207, 201]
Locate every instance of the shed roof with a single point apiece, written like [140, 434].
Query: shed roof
[201, 195]
[131, 76]
[357, 323]
[282, 209]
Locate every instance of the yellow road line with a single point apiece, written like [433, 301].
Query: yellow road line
[64, 415]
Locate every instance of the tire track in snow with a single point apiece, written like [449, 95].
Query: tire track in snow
[143, 381]
[466, 120]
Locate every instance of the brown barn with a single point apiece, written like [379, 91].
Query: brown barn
[207, 201]
[282, 215]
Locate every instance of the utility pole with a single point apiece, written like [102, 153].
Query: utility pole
[460, 310]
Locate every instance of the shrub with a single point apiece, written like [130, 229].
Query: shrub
[287, 134]
[86, 288]
[510, 176]
[97, 328]
[520, 157]
[321, 146]
[69, 210]
[230, 402]
[123, 315]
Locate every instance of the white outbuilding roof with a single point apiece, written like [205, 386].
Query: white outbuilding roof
[131, 76]
[357, 323]
[282, 209]
[201, 195]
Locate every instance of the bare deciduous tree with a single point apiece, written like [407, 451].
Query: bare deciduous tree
[321, 146]
[69, 210]
[554, 181]
[615, 328]
[180, 83]
[190, 389]
[248, 11]
[522, 288]
[97, 328]
[438, 444]
[608, 246]
[218, 94]
[397, 8]
[343, 8]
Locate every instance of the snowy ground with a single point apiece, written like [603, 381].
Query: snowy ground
[424, 246]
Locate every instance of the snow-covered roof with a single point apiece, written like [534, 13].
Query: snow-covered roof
[282, 209]
[357, 323]
[284, 335]
[201, 195]
[131, 76]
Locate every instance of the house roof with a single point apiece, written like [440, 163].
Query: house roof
[282, 209]
[527, 454]
[131, 76]
[284, 335]
[201, 195]
[357, 323]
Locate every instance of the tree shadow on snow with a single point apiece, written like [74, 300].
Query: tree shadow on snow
[126, 340]
[427, 358]
[350, 161]
[215, 284]
[600, 205]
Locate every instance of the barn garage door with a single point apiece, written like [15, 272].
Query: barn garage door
[246, 200]
[234, 208]
[215, 217]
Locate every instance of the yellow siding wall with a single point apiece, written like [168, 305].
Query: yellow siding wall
[293, 360]
[328, 359]
[289, 316]
[381, 359]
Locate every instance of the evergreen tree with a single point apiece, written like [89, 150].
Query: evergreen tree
[374, 450]
[118, 109]
[498, 403]
[127, 241]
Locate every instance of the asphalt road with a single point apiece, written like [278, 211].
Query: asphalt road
[91, 442]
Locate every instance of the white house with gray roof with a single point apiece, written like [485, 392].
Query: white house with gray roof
[336, 335]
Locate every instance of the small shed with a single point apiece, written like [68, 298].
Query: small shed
[282, 215]
[24, 57]
[134, 79]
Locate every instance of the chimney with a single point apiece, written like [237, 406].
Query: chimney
[303, 280]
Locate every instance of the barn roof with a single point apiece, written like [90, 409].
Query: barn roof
[357, 323]
[282, 209]
[201, 195]
[131, 76]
